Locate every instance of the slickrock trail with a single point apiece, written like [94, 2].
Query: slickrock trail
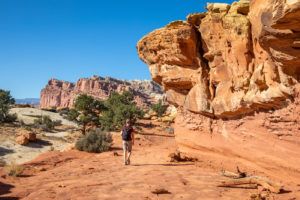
[79, 175]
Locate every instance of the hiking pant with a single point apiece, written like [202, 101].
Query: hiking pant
[127, 147]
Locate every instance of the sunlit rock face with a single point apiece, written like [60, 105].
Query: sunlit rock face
[229, 61]
[61, 94]
[232, 72]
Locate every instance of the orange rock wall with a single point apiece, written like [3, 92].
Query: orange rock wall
[233, 73]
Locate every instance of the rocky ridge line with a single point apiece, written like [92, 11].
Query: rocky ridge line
[61, 94]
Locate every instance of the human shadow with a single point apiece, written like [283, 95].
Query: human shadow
[4, 151]
[39, 144]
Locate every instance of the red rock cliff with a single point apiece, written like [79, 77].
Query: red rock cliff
[61, 94]
[233, 72]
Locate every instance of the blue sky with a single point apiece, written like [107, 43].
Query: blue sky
[70, 39]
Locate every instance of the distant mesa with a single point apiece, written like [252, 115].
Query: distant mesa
[29, 101]
[59, 94]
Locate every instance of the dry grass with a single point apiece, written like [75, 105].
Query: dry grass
[2, 162]
[13, 169]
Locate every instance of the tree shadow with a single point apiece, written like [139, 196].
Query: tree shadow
[284, 191]
[146, 125]
[9, 198]
[5, 189]
[4, 151]
[158, 135]
[39, 144]
[163, 164]
[116, 148]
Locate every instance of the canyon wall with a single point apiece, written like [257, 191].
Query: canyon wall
[61, 94]
[233, 73]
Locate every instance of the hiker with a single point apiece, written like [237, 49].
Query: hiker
[128, 141]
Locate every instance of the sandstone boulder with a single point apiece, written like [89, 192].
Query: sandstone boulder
[22, 140]
[31, 136]
[25, 136]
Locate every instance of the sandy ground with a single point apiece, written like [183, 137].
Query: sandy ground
[79, 175]
[59, 139]
[10, 151]
[27, 115]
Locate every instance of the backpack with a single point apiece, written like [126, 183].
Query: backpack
[126, 133]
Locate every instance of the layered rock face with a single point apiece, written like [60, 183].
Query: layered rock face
[61, 94]
[222, 67]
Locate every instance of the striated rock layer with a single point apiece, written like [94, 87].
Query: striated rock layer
[61, 94]
[233, 72]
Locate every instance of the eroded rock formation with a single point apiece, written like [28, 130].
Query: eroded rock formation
[233, 72]
[61, 94]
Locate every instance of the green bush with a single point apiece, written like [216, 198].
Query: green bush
[86, 111]
[64, 112]
[11, 118]
[110, 114]
[118, 108]
[6, 101]
[95, 141]
[159, 108]
[45, 123]
[72, 115]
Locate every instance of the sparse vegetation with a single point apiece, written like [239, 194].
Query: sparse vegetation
[64, 112]
[6, 101]
[86, 111]
[45, 123]
[13, 169]
[2, 162]
[118, 108]
[95, 141]
[109, 114]
[159, 108]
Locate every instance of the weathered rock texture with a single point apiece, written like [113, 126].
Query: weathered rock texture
[61, 94]
[223, 66]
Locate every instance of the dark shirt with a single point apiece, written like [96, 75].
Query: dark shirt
[127, 133]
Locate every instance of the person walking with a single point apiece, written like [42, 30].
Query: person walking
[127, 134]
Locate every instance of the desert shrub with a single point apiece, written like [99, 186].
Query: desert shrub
[159, 108]
[64, 112]
[11, 118]
[13, 169]
[95, 141]
[57, 122]
[169, 130]
[45, 123]
[2, 162]
[6, 101]
[27, 128]
[52, 109]
[118, 108]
